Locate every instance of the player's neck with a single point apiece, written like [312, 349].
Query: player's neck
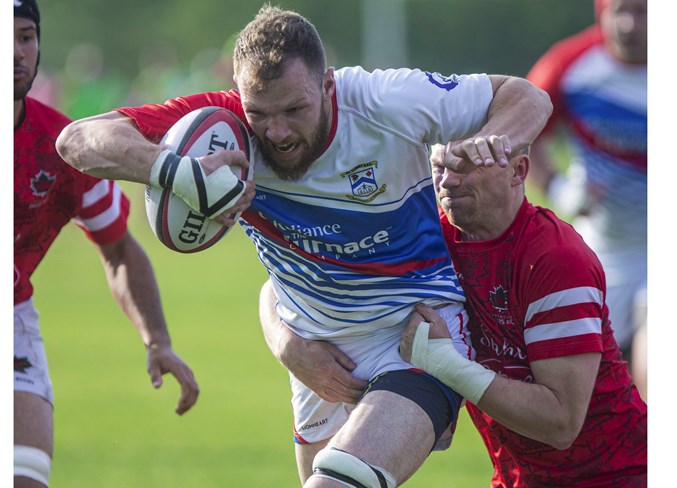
[19, 109]
[493, 224]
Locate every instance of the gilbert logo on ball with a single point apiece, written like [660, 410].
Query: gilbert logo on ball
[199, 133]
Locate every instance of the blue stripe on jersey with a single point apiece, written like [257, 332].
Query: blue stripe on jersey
[333, 269]
[610, 125]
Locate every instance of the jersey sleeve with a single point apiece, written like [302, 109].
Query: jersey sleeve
[422, 106]
[154, 120]
[103, 212]
[564, 307]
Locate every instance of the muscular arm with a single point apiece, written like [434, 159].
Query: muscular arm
[320, 366]
[552, 409]
[132, 282]
[517, 114]
[108, 146]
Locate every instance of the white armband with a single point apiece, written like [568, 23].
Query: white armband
[440, 358]
[210, 195]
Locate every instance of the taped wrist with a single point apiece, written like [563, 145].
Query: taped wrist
[210, 195]
[440, 358]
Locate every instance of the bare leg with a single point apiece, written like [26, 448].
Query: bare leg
[305, 453]
[33, 426]
[385, 430]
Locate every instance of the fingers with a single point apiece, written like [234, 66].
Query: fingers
[482, 151]
[214, 161]
[228, 219]
[189, 390]
[163, 362]
[438, 326]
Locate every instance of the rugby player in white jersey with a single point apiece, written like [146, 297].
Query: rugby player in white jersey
[344, 219]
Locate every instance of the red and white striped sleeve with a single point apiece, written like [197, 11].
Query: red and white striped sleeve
[104, 212]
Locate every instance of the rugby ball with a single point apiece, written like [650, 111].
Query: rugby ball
[198, 133]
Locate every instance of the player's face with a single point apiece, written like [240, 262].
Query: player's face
[25, 56]
[290, 118]
[625, 26]
[474, 200]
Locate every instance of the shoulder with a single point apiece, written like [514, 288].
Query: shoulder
[561, 55]
[49, 118]
[154, 119]
[554, 254]
[419, 105]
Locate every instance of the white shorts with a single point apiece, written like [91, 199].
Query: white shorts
[316, 419]
[30, 361]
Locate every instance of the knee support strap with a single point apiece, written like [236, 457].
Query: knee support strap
[33, 463]
[334, 463]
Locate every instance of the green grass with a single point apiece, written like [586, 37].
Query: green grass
[114, 430]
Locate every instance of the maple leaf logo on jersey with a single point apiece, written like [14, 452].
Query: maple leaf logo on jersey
[21, 364]
[499, 298]
[41, 183]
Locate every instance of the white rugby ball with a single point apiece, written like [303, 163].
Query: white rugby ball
[198, 133]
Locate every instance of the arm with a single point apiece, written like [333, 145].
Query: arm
[110, 146]
[517, 114]
[132, 282]
[319, 365]
[550, 410]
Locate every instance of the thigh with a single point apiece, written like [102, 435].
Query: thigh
[389, 431]
[33, 424]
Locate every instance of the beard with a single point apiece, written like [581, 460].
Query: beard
[315, 148]
[21, 88]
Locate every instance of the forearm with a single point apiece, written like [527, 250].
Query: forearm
[276, 333]
[108, 146]
[132, 283]
[532, 410]
[519, 110]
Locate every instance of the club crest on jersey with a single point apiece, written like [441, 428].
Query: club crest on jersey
[446, 82]
[41, 183]
[499, 298]
[363, 183]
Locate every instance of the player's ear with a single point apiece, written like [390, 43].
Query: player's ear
[328, 83]
[521, 169]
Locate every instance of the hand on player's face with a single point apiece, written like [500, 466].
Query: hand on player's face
[463, 156]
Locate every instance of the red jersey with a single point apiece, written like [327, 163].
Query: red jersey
[48, 193]
[538, 292]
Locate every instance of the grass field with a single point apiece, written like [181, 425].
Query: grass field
[114, 430]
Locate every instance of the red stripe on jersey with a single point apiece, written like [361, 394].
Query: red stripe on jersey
[267, 228]
[116, 229]
[99, 206]
[566, 313]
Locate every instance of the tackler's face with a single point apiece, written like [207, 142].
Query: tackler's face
[473, 193]
[290, 116]
[26, 50]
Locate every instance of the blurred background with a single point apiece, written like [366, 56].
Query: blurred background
[101, 54]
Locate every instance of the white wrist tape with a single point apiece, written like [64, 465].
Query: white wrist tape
[210, 195]
[440, 358]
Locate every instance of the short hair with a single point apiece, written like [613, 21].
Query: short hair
[272, 39]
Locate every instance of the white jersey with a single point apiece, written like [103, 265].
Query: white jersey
[356, 242]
